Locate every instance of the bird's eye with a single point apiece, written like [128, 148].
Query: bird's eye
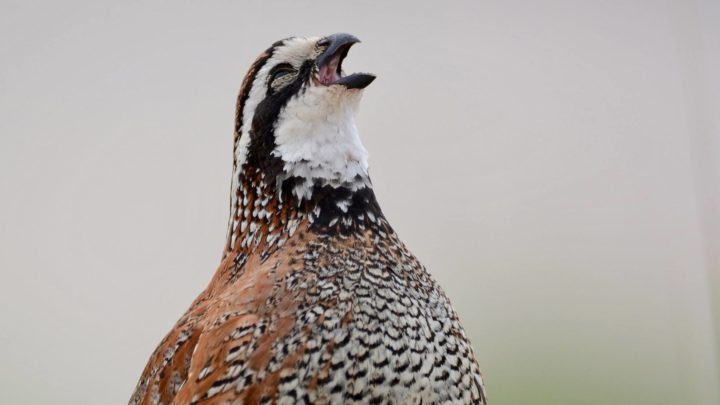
[281, 75]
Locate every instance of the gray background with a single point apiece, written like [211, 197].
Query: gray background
[554, 164]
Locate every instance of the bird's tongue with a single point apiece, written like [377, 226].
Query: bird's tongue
[328, 71]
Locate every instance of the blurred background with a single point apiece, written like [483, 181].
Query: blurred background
[555, 164]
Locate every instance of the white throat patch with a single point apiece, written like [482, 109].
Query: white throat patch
[317, 139]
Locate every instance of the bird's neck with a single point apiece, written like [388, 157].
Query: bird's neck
[268, 209]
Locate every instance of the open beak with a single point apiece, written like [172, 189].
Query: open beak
[329, 63]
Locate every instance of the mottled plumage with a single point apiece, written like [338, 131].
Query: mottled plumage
[316, 299]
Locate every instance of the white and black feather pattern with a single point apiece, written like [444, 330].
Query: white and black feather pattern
[316, 299]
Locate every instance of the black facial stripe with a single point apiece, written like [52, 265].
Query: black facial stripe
[262, 133]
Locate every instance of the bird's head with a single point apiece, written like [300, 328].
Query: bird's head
[295, 116]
